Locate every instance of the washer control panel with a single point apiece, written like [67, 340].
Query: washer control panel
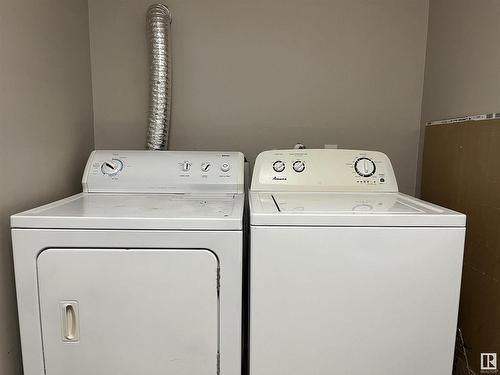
[164, 172]
[323, 170]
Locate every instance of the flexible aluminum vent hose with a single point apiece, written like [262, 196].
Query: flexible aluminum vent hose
[158, 21]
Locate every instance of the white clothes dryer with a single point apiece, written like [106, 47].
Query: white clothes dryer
[139, 274]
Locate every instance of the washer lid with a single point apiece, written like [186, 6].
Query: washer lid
[347, 209]
[137, 211]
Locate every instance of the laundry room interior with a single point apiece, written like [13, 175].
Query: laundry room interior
[372, 125]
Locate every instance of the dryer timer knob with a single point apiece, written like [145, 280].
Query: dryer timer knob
[111, 167]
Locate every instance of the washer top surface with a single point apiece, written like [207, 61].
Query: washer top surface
[336, 188]
[347, 209]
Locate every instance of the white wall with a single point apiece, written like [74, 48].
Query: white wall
[248, 75]
[254, 75]
[462, 71]
[45, 125]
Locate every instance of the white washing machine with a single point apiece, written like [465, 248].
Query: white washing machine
[348, 276]
[139, 274]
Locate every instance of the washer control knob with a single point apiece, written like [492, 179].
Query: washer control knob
[279, 166]
[185, 166]
[111, 167]
[225, 167]
[299, 166]
[205, 166]
[364, 167]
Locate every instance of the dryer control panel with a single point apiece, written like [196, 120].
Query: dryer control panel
[323, 170]
[164, 172]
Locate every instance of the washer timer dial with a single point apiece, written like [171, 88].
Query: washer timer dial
[365, 167]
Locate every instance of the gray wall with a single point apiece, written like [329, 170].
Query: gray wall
[462, 70]
[254, 75]
[45, 124]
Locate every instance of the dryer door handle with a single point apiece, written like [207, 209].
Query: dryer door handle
[70, 323]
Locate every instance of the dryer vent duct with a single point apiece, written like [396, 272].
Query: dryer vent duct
[158, 21]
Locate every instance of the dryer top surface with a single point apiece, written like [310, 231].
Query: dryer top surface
[137, 211]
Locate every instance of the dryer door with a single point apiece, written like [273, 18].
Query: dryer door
[129, 311]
